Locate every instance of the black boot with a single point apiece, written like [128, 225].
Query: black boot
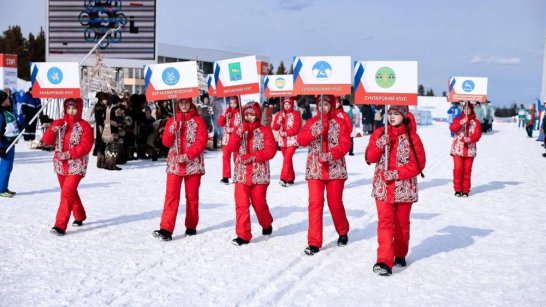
[267, 231]
[190, 232]
[163, 234]
[225, 180]
[400, 261]
[238, 241]
[57, 231]
[77, 223]
[382, 269]
[342, 240]
[458, 194]
[311, 250]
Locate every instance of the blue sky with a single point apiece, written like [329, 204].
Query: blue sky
[499, 39]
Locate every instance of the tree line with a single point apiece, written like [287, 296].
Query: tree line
[31, 49]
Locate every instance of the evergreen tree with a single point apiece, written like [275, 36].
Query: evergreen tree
[430, 92]
[36, 47]
[421, 90]
[291, 71]
[444, 94]
[281, 70]
[13, 42]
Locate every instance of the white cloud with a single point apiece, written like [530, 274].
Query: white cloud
[495, 60]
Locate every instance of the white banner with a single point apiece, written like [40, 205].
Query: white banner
[322, 75]
[235, 77]
[278, 85]
[171, 80]
[55, 80]
[467, 89]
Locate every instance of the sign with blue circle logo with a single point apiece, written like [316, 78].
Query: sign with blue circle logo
[170, 76]
[280, 83]
[468, 86]
[54, 75]
[322, 70]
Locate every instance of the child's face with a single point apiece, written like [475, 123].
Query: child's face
[71, 110]
[250, 117]
[395, 118]
[287, 106]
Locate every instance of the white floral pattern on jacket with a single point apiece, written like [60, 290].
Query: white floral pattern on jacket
[76, 166]
[260, 170]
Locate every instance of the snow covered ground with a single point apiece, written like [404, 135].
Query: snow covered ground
[489, 249]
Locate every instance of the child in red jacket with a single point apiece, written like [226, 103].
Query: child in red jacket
[231, 121]
[395, 186]
[255, 147]
[467, 131]
[73, 140]
[186, 135]
[287, 122]
[328, 138]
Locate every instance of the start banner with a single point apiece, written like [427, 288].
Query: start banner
[278, 85]
[55, 80]
[386, 82]
[237, 76]
[467, 89]
[171, 80]
[322, 75]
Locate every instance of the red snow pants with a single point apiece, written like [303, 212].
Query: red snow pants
[226, 162]
[462, 171]
[172, 201]
[334, 196]
[393, 231]
[287, 172]
[70, 201]
[245, 196]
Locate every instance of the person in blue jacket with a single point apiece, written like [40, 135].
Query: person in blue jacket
[8, 132]
[453, 113]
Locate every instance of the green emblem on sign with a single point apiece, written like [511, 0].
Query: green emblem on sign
[235, 71]
[385, 77]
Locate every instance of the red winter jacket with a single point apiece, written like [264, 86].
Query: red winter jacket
[231, 121]
[466, 135]
[252, 164]
[343, 115]
[192, 134]
[336, 142]
[73, 140]
[401, 159]
[288, 124]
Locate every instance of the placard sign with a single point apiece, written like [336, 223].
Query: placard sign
[278, 85]
[55, 80]
[467, 89]
[385, 82]
[171, 80]
[322, 75]
[235, 77]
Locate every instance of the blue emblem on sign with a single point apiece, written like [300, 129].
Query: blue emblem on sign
[322, 70]
[170, 76]
[54, 75]
[468, 86]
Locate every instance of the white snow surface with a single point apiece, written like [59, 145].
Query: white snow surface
[485, 250]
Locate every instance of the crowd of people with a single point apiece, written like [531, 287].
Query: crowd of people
[118, 129]
[531, 119]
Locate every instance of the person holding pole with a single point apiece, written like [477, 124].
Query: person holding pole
[255, 147]
[287, 122]
[8, 132]
[186, 135]
[73, 140]
[231, 121]
[399, 155]
[328, 138]
[468, 132]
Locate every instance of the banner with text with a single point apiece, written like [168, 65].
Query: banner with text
[322, 75]
[55, 80]
[385, 82]
[171, 80]
[235, 77]
[278, 85]
[467, 89]
[8, 70]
